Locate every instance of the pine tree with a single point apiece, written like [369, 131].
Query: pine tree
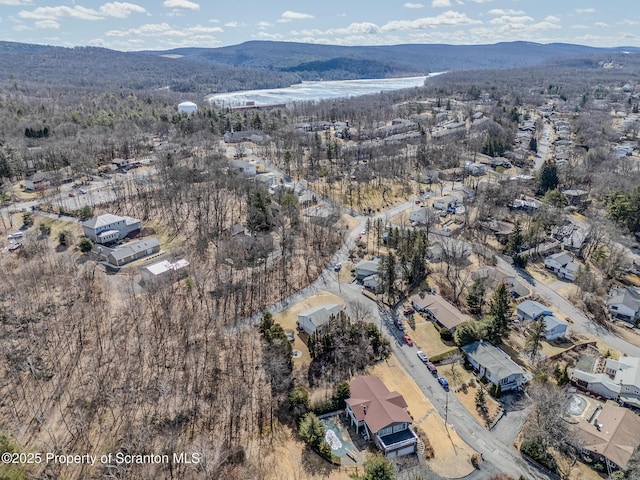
[536, 335]
[500, 310]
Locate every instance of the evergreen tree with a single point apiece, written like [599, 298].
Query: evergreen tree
[548, 177]
[500, 310]
[376, 467]
[475, 296]
[515, 240]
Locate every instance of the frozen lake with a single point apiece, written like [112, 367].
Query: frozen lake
[313, 91]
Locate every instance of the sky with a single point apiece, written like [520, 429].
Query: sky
[165, 24]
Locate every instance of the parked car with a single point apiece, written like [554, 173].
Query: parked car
[408, 340]
[398, 323]
[83, 191]
[15, 246]
[422, 356]
[443, 381]
[408, 311]
[337, 267]
[432, 368]
[290, 335]
[71, 194]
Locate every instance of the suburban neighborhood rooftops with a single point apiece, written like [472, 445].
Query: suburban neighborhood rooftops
[552, 322]
[493, 359]
[108, 219]
[562, 258]
[445, 313]
[533, 309]
[615, 434]
[370, 265]
[372, 402]
[627, 296]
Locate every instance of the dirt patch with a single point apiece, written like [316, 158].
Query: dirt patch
[451, 454]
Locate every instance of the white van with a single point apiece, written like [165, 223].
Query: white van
[16, 235]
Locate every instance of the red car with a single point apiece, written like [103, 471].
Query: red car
[408, 311]
[408, 340]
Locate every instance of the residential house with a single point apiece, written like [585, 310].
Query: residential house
[37, 181]
[423, 216]
[449, 250]
[380, 415]
[439, 310]
[612, 436]
[494, 364]
[246, 168]
[254, 136]
[624, 304]
[563, 265]
[620, 381]
[576, 197]
[366, 268]
[444, 203]
[475, 168]
[554, 327]
[372, 282]
[110, 228]
[313, 318]
[532, 310]
[133, 251]
[164, 271]
[493, 277]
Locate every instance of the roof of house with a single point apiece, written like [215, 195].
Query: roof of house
[318, 315]
[447, 314]
[163, 266]
[372, 402]
[562, 258]
[39, 176]
[133, 248]
[533, 309]
[615, 434]
[493, 359]
[601, 378]
[368, 265]
[551, 322]
[627, 296]
[102, 220]
[628, 371]
[494, 275]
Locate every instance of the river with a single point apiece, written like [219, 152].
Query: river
[317, 90]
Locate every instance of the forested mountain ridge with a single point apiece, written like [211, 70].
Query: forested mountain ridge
[264, 64]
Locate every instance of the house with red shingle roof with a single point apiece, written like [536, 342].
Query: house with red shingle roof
[380, 415]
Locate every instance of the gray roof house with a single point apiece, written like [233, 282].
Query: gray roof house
[492, 363]
[554, 328]
[366, 268]
[624, 304]
[532, 310]
[313, 318]
[133, 251]
[109, 228]
[563, 265]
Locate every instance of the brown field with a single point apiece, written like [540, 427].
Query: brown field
[468, 399]
[426, 337]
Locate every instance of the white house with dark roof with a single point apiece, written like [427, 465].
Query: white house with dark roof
[381, 415]
[37, 180]
[313, 318]
[494, 364]
[532, 310]
[110, 228]
[624, 304]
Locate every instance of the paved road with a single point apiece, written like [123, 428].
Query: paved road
[543, 146]
[581, 323]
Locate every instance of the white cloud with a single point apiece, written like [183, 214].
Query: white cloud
[231, 24]
[361, 28]
[481, 1]
[201, 29]
[500, 11]
[413, 5]
[579, 27]
[628, 22]
[441, 3]
[184, 4]
[289, 16]
[262, 25]
[446, 18]
[551, 18]
[585, 10]
[47, 13]
[511, 20]
[15, 2]
[601, 24]
[47, 24]
[120, 9]
[269, 36]
[166, 30]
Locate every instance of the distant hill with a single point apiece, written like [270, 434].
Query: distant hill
[410, 58]
[262, 64]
